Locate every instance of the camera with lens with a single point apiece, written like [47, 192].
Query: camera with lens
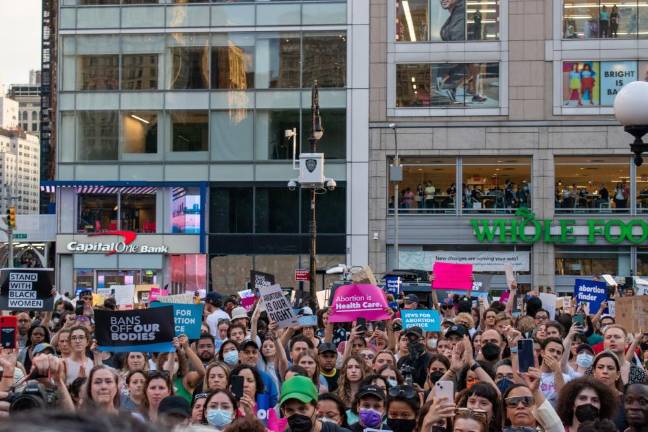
[35, 395]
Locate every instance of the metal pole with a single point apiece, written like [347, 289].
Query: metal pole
[10, 259]
[315, 124]
[396, 202]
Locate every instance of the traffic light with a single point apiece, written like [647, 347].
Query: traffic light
[11, 217]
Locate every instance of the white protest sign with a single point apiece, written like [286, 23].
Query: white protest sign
[609, 279]
[277, 305]
[612, 308]
[124, 294]
[508, 270]
[549, 304]
[186, 298]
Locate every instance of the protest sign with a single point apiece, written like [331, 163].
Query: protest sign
[307, 320]
[508, 271]
[156, 293]
[591, 292]
[124, 294]
[612, 308]
[452, 276]
[247, 299]
[26, 289]
[259, 279]
[427, 320]
[187, 318]
[358, 301]
[549, 304]
[392, 285]
[277, 305]
[632, 313]
[144, 330]
[177, 298]
[609, 279]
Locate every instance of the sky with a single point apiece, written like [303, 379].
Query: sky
[20, 33]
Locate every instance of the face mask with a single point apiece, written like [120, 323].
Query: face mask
[470, 383]
[504, 384]
[231, 358]
[327, 420]
[300, 423]
[436, 376]
[644, 346]
[490, 351]
[438, 429]
[218, 417]
[392, 382]
[584, 360]
[586, 412]
[401, 425]
[370, 417]
[432, 343]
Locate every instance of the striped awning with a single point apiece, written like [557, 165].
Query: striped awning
[112, 187]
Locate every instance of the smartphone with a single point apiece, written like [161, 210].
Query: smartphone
[82, 319]
[525, 354]
[379, 326]
[236, 385]
[8, 331]
[444, 389]
[579, 320]
[362, 324]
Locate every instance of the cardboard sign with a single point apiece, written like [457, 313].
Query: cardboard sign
[591, 292]
[452, 276]
[26, 289]
[428, 320]
[632, 313]
[144, 330]
[392, 285]
[358, 301]
[187, 318]
[277, 305]
[549, 304]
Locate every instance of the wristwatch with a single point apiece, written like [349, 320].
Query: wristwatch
[475, 366]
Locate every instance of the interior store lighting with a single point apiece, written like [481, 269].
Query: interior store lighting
[410, 23]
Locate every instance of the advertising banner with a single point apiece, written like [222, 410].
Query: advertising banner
[615, 75]
[452, 276]
[481, 261]
[145, 330]
[26, 289]
[358, 301]
[277, 305]
[591, 292]
[187, 318]
[427, 320]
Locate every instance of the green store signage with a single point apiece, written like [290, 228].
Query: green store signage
[525, 228]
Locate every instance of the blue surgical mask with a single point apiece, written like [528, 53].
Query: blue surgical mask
[584, 360]
[231, 357]
[219, 417]
[392, 382]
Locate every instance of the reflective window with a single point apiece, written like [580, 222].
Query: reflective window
[97, 212]
[446, 20]
[583, 261]
[189, 56]
[596, 184]
[330, 212]
[139, 132]
[333, 142]
[97, 135]
[232, 134]
[270, 138]
[448, 85]
[496, 184]
[185, 218]
[324, 59]
[97, 72]
[189, 131]
[231, 210]
[138, 213]
[276, 210]
[642, 188]
[232, 61]
[642, 262]
[589, 19]
[428, 186]
[277, 60]
[139, 72]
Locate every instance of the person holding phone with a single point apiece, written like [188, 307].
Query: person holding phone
[249, 399]
[525, 407]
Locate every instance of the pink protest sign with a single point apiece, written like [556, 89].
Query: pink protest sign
[452, 276]
[248, 302]
[156, 292]
[358, 301]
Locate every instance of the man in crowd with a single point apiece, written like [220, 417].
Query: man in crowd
[214, 312]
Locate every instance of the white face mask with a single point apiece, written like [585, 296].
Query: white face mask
[392, 382]
[432, 343]
[584, 360]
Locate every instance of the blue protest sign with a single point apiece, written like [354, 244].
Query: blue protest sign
[591, 292]
[187, 318]
[428, 320]
[392, 285]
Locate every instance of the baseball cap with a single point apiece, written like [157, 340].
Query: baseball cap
[417, 331]
[239, 312]
[212, 297]
[456, 330]
[300, 388]
[39, 348]
[371, 390]
[585, 347]
[175, 405]
[246, 343]
[326, 347]
[411, 298]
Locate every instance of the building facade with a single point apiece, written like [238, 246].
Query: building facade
[19, 170]
[9, 113]
[29, 105]
[170, 122]
[501, 113]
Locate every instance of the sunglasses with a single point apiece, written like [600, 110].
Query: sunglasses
[513, 402]
[478, 414]
[402, 391]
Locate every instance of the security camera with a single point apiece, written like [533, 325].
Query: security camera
[292, 185]
[331, 184]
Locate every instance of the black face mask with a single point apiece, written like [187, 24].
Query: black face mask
[586, 412]
[644, 346]
[300, 423]
[491, 352]
[504, 384]
[436, 376]
[438, 429]
[401, 425]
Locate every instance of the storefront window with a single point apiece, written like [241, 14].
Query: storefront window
[642, 262]
[231, 210]
[428, 186]
[186, 211]
[138, 213]
[97, 212]
[97, 136]
[589, 19]
[447, 85]
[83, 279]
[642, 188]
[232, 61]
[189, 131]
[496, 184]
[592, 184]
[98, 72]
[585, 261]
[107, 278]
[139, 132]
[446, 20]
[188, 273]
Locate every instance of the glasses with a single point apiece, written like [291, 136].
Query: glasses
[402, 391]
[368, 356]
[513, 402]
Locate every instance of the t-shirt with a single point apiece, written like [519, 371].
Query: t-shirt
[74, 369]
[331, 380]
[548, 386]
[212, 321]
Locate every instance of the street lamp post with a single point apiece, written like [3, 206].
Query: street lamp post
[316, 134]
[631, 109]
[396, 175]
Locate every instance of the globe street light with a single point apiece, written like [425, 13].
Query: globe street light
[631, 109]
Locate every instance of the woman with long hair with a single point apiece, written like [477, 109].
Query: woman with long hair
[158, 386]
[134, 396]
[308, 360]
[78, 364]
[437, 367]
[134, 362]
[101, 391]
[252, 388]
[524, 406]
[352, 373]
[607, 369]
[177, 364]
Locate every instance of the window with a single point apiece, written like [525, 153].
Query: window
[276, 210]
[589, 19]
[231, 210]
[232, 134]
[324, 59]
[189, 61]
[97, 212]
[270, 127]
[428, 186]
[139, 132]
[447, 85]
[642, 262]
[139, 71]
[189, 131]
[333, 142]
[97, 72]
[188, 272]
[583, 261]
[277, 59]
[446, 20]
[97, 137]
[186, 211]
[138, 213]
[496, 183]
[596, 184]
[331, 211]
[642, 189]
[232, 61]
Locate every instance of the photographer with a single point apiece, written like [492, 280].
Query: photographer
[414, 365]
